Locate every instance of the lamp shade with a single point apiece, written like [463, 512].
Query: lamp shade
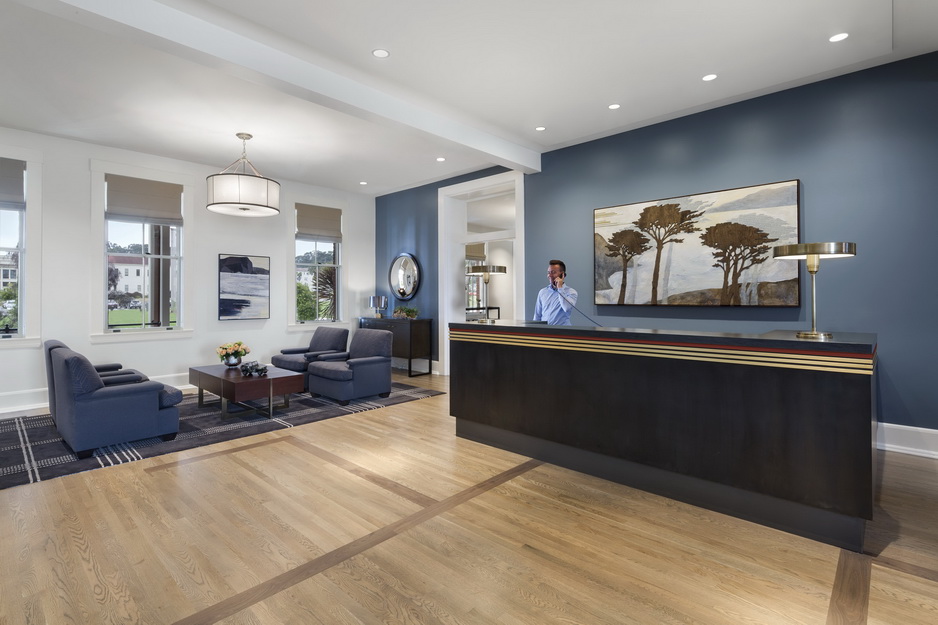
[379, 302]
[244, 195]
[822, 250]
[481, 270]
[241, 190]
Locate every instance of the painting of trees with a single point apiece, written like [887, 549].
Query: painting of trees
[663, 223]
[726, 260]
[737, 247]
[626, 244]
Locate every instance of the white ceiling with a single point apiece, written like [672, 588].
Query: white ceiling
[467, 80]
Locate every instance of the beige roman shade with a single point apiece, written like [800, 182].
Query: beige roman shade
[475, 251]
[136, 199]
[12, 194]
[318, 223]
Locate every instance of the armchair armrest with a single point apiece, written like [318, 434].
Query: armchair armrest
[367, 360]
[123, 390]
[334, 356]
[311, 356]
[108, 367]
[123, 378]
[294, 350]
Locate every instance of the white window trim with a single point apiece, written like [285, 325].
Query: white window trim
[97, 314]
[30, 328]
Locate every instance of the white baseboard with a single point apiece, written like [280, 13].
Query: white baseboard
[906, 439]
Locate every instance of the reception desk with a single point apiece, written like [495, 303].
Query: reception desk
[766, 427]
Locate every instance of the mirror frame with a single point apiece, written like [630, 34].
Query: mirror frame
[399, 290]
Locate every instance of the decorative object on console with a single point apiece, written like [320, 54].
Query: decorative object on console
[232, 353]
[404, 276]
[252, 367]
[378, 303]
[812, 253]
[403, 312]
[708, 249]
[241, 190]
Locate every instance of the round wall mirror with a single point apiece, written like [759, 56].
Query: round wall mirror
[404, 277]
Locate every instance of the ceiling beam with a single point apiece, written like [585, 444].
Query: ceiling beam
[213, 43]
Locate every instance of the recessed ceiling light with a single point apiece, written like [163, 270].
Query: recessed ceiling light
[440, 159]
[839, 37]
[363, 183]
[540, 128]
[613, 106]
[710, 77]
[381, 53]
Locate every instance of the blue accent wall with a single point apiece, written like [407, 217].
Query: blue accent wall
[407, 222]
[865, 147]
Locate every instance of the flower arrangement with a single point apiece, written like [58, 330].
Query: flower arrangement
[236, 349]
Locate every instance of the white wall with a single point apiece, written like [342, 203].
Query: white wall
[69, 278]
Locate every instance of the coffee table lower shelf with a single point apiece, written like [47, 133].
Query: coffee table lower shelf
[232, 387]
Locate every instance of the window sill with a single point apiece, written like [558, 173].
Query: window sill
[20, 342]
[310, 326]
[133, 336]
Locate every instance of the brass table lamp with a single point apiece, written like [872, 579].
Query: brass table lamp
[812, 253]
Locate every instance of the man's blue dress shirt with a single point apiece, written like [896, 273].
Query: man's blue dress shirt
[554, 306]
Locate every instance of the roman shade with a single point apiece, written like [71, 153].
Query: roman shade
[136, 199]
[475, 251]
[318, 223]
[12, 183]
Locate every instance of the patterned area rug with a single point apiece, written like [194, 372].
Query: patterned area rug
[31, 449]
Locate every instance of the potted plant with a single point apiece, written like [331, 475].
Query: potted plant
[403, 312]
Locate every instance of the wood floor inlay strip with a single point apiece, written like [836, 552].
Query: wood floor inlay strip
[376, 479]
[850, 596]
[906, 567]
[179, 463]
[243, 600]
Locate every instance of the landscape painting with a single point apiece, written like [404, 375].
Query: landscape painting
[708, 249]
[243, 287]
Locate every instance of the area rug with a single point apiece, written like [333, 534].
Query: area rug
[31, 449]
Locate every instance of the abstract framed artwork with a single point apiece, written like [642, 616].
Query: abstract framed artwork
[707, 249]
[243, 287]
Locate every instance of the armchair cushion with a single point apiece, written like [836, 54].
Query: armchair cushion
[85, 378]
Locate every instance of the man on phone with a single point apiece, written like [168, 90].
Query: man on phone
[555, 301]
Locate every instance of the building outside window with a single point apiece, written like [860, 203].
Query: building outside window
[144, 234]
[317, 262]
[12, 237]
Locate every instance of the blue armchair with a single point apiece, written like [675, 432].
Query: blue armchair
[91, 415]
[324, 341]
[364, 370]
[111, 373]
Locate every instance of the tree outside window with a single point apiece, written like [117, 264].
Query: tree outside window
[317, 278]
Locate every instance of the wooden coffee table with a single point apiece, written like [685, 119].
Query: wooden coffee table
[233, 387]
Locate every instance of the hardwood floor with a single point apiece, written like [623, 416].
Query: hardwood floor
[386, 517]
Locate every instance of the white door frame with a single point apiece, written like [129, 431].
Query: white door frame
[453, 235]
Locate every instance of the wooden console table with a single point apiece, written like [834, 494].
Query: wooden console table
[766, 427]
[412, 338]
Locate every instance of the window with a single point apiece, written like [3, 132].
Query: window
[144, 233]
[318, 242]
[12, 237]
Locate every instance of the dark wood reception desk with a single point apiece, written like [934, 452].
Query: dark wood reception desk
[766, 427]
